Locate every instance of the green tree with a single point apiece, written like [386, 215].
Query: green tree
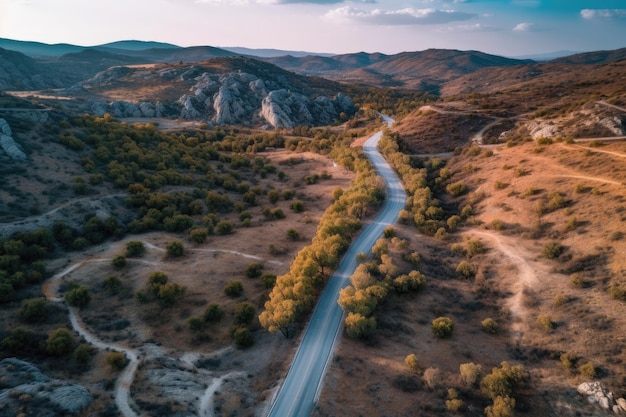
[224, 227]
[33, 310]
[233, 289]
[175, 249]
[502, 407]
[268, 280]
[59, 342]
[243, 337]
[119, 262]
[442, 327]
[254, 270]
[198, 235]
[135, 248]
[195, 324]
[244, 313]
[78, 297]
[213, 313]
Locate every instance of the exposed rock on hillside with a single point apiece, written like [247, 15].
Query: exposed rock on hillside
[47, 396]
[247, 93]
[7, 143]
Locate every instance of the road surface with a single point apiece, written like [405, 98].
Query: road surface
[301, 388]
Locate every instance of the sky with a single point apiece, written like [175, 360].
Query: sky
[502, 27]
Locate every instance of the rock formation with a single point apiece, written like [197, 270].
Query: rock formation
[8, 144]
[596, 393]
[48, 396]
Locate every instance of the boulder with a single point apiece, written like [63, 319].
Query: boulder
[622, 404]
[5, 128]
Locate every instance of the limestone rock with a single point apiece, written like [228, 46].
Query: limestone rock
[5, 128]
[48, 396]
[597, 394]
[622, 404]
[8, 144]
[122, 108]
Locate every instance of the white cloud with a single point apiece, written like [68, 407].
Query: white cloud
[244, 2]
[408, 16]
[523, 27]
[477, 27]
[590, 14]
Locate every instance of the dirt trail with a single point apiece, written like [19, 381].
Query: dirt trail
[526, 277]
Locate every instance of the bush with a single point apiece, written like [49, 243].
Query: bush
[78, 297]
[112, 285]
[224, 227]
[617, 292]
[412, 363]
[59, 342]
[545, 321]
[442, 327]
[175, 249]
[432, 377]
[293, 235]
[502, 381]
[119, 262]
[156, 280]
[198, 235]
[552, 250]
[135, 248]
[21, 341]
[116, 360]
[587, 369]
[465, 269]
[243, 337]
[244, 313]
[358, 326]
[456, 189]
[83, 353]
[297, 206]
[254, 270]
[213, 313]
[577, 281]
[170, 293]
[489, 325]
[233, 289]
[453, 403]
[470, 373]
[195, 324]
[502, 407]
[268, 280]
[33, 310]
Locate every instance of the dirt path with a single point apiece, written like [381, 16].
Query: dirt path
[526, 277]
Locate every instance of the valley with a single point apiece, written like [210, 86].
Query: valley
[178, 211]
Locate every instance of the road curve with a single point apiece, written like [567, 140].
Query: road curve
[301, 388]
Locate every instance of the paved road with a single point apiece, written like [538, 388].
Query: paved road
[301, 388]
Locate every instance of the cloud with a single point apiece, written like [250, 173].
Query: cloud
[477, 27]
[590, 14]
[406, 17]
[523, 27]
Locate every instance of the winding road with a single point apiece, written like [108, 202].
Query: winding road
[302, 386]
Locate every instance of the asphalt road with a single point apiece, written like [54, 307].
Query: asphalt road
[301, 388]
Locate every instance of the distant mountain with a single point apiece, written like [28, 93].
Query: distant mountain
[270, 53]
[597, 57]
[546, 56]
[132, 45]
[20, 72]
[37, 49]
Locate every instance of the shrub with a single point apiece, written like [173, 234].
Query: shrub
[577, 280]
[552, 250]
[567, 360]
[474, 247]
[254, 270]
[170, 293]
[78, 297]
[244, 313]
[412, 363]
[83, 353]
[617, 292]
[432, 377]
[135, 248]
[116, 360]
[233, 289]
[198, 235]
[453, 222]
[502, 407]
[502, 381]
[470, 373]
[224, 227]
[119, 262]
[297, 206]
[59, 342]
[195, 324]
[587, 369]
[175, 249]
[456, 189]
[489, 325]
[453, 403]
[33, 310]
[293, 235]
[112, 284]
[358, 326]
[156, 280]
[442, 327]
[545, 321]
[243, 337]
[268, 280]
[465, 269]
[213, 313]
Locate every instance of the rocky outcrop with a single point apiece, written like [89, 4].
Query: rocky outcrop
[21, 380]
[596, 393]
[235, 97]
[8, 144]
